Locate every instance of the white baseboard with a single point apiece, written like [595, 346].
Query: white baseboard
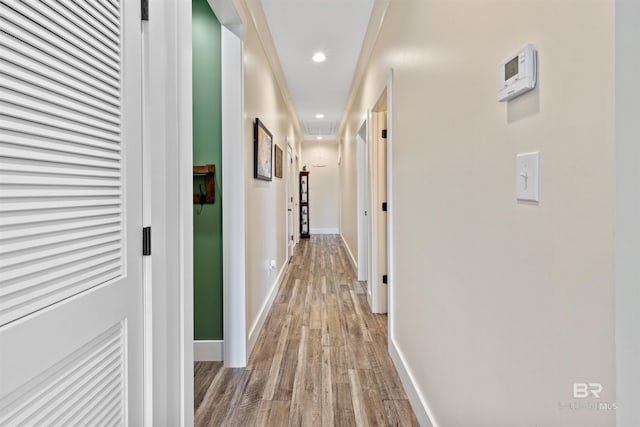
[354, 263]
[208, 350]
[254, 332]
[417, 401]
[324, 231]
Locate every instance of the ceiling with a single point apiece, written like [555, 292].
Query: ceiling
[299, 29]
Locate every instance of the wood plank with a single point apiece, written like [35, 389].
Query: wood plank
[297, 397]
[312, 407]
[276, 361]
[245, 412]
[343, 405]
[327, 388]
[357, 400]
[221, 397]
[203, 375]
[286, 374]
[399, 413]
[272, 413]
[375, 409]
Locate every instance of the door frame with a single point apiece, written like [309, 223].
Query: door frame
[289, 187]
[170, 170]
[374, 202]
[296, 201]
[147, 214]
[233, 208]
[362, 171]
[376, 271]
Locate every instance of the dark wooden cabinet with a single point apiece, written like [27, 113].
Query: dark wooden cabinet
[304, 205]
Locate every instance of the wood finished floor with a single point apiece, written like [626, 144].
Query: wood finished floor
[321, 358]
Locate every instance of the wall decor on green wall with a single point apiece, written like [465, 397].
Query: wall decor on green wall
[207, 150]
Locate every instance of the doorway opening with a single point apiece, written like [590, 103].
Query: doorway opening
[364, 251]
[290, 192]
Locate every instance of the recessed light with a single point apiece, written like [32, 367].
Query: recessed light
[319, 116]
[319, 57]
[318, 138]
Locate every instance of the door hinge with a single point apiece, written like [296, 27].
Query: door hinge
[144, 12]
[384, 279]
[384, 134]
[384, 206]
[292, 238]
[146, 241]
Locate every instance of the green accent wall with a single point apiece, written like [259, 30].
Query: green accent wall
[207, 149]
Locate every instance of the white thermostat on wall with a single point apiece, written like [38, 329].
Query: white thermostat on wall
[517, 74]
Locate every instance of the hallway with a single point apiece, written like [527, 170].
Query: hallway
[321, 358]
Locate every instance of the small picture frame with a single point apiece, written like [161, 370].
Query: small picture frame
[262, 152]
[277, 165]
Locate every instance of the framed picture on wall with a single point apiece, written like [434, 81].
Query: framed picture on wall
[277, 154]
[262, 152]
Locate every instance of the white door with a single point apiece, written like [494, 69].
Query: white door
[70, 213]
[296, 200]
[382, 213]
[291, 243]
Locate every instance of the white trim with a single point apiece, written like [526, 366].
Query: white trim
[233, 208]
[290, 243]
[169, 108]
[416, 399]
[351, 258]
[391, 257]
[333, 230]
[184, 113]
[147, 261]
[378, 300]
[381, 295]
[208, 350]
[264, 311]
[362, 206]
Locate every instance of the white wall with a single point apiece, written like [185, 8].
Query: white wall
[265, 202]
[348, 182]
[500, 306]
[321, 158]
[627, 212]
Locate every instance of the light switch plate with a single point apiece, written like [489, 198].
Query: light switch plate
[528, 176]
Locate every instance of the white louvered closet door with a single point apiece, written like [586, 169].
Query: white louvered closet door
[70, 213]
